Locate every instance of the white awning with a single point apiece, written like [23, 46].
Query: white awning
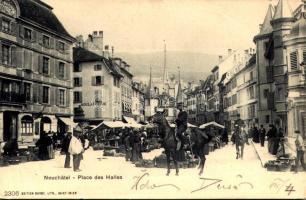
[111, 124]
[211, 124]
[188, 125]
[67, 121]
[191, 125]
[131, 122]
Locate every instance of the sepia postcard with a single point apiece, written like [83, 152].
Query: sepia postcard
[152, 99]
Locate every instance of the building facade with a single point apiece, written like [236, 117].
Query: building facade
[97, 88]
[138, 108]
[295, 44]
[36, 69]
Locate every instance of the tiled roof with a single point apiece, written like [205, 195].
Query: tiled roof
[283, 10]
[266, 26]
[83, 55]
[41, 13]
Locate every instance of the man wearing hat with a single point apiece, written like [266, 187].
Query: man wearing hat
[300, 150]
[181, 124]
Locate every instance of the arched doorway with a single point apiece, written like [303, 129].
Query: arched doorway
[45, 125]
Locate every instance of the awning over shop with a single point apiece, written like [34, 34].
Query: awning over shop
[188, 125]
[191, 125]
[131, 122]
[111, 124]
[67, 121]
[211, 124]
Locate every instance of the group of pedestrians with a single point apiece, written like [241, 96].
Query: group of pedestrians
[134, 142]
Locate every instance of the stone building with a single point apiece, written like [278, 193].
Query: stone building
[138, 102]
[271, 65]
[35, 71]
[97, 88]
[295, 46]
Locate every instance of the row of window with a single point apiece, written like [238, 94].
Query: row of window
[10, 90]
[9, 26]
[44, 62]
[78, 68]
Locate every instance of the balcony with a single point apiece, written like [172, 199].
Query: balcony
[12, 98]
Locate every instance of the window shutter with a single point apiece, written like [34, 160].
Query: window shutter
[52, 95]
[93, 80]
[14, 56]
[52, 41]
[40, 63]
[67, 98]
[37, 126]
[52, 66]
[304, 57]
[57, 97]
[21, 31]
[35, 93]
[0, 52]
[57, 44]
[102, 80]
[80, 96]
[67, 69]
[34, 36]
[40, 93]
[40, 38]
[14, 28]
[293, 61]
[56, 69]
[80, 81]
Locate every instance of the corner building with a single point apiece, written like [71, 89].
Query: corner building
[35, 72]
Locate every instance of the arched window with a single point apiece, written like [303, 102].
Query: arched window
[26, 125]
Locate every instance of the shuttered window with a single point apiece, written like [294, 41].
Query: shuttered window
[304, 56]
[62, 97]
[45, 69]
[5, 54]
[45, 95]
[293, 61]
[6, 27]
[61, 70]
[77, 97]
[27, 34]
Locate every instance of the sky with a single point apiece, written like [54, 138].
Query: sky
[206, 26]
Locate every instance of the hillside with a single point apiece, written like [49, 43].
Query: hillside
[194, 66]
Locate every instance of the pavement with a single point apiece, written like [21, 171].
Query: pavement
[262, 152]
[112, 177]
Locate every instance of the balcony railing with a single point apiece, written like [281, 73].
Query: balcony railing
[11, 97]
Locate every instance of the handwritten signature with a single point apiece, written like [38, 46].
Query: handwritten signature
[143, 182]
[218, 183]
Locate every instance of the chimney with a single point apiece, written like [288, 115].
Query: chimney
[229, 51]
[220, 58]
[106, 51]
[254, 51]
[260, 27]
[90, 37]
[101, 33]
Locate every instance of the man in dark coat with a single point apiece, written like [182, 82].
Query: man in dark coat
[262, 135]
[271, 135]
[255, 134]
[65, 147]
[181, 125]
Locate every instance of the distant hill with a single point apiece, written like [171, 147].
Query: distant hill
[193, 66]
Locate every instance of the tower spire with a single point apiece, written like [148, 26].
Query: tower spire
[266, 25]
[165, 63]
[283, 10]
[179, 96]
[149, 92]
